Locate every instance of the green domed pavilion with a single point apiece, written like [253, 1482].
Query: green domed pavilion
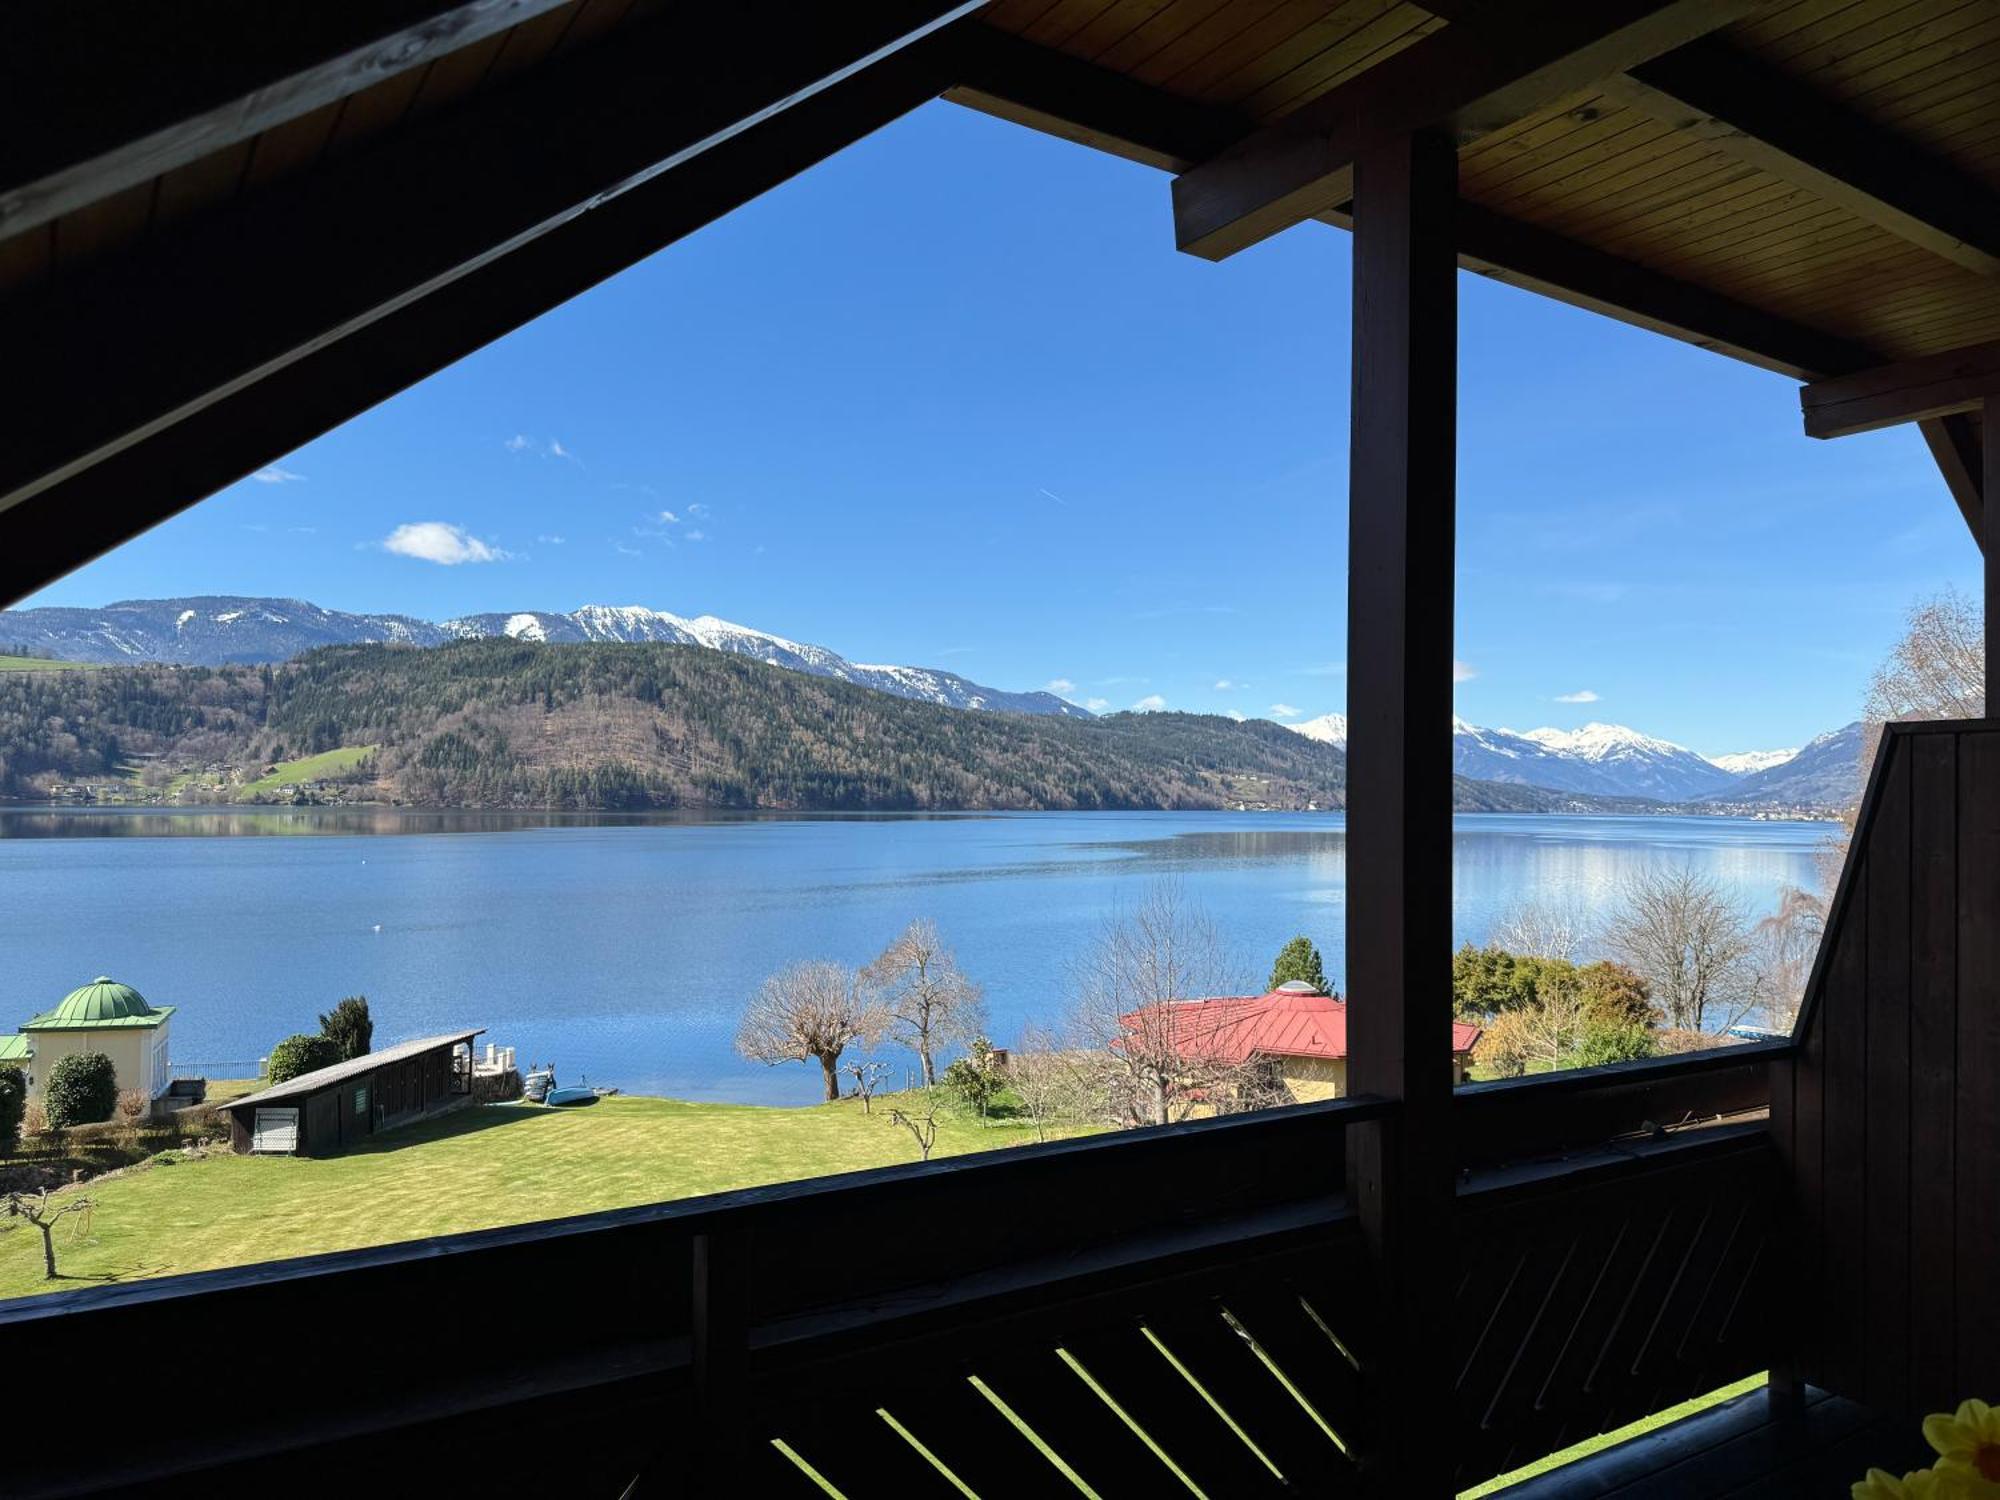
[102, 1016]
[98, 1006]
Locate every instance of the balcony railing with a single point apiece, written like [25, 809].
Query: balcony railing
[1192, 1300]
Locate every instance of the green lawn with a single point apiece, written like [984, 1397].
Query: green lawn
[1610, 1439]
[311, 768]
[486, 1166]
[41, 664]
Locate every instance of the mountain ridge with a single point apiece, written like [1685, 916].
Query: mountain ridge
[217, 630]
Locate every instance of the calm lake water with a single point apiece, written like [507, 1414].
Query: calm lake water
[625, 948]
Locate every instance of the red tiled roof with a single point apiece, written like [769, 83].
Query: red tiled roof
[1284, 1023]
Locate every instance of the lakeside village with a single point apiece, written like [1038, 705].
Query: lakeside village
[118, 1169]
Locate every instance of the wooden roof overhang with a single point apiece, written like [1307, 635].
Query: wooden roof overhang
[206, 263]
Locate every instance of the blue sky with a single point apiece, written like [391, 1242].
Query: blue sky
[954, 400]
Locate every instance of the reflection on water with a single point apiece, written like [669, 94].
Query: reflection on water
[624, 947]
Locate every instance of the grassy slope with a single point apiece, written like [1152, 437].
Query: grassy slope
[498, 1164]
[311, 768]
[40, 664]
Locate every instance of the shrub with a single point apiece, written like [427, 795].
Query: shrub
[82, 1089]
[349, 1026]
[133, 1106]
[168, 1158]
[303, 1053]
[34, 1119]
[13, 1105]
[1610, 1043]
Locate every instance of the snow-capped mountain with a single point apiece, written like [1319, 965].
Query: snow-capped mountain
[1607, 760]
[1641, 765]
[1328, 729]
[1746, 762]
[215, 630]
[1828, 771]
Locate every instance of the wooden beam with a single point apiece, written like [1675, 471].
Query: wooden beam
[1955, 444]
[149, 480]
[1912, 390]
[1786, 127]
[1401, 512]
[100, 95]
[1082, 102]
[1464, 81]
[1050, 91]
[184, 322]
[1989, 437]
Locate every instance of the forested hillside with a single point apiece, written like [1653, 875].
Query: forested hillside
[502, 723]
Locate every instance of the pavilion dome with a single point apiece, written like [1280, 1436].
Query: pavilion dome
[102, 1002]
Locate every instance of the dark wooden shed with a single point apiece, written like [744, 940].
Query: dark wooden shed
[328, 1109]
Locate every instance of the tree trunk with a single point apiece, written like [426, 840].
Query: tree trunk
[930, 1068]
[828, 1062]
[48, 1251]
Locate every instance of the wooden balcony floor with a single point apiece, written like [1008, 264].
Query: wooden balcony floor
[1739, 1450]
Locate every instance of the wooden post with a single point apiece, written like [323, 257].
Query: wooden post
[721, 1349]
[1989, 495]
[1401, 499]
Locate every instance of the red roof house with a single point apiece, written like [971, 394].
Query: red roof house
[1301, 1033]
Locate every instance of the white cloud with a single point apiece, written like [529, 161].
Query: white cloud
[697, 536]
[668, 518]
[1235, 713]
[557, 450]
[1097, 705]
[1152, 703]
[1583, 695]
[519, 442]
[438, 542]
[1062, 687]
[699, 511]
[1463, 671]
[1283, 711]
[276, 475]
[553, 541]
[1223, 684]
[628, 551]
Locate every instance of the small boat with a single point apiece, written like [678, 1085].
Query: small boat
[535, 1088]
[574, 1094]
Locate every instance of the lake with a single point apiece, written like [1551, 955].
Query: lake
[624, 948]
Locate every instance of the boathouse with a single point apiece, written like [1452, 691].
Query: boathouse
[321, 1112]
[228, 226]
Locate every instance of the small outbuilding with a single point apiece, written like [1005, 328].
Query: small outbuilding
[319, 1113]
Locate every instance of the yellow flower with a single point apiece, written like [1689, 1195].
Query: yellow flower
[1968, 1443]
[1920, 1484]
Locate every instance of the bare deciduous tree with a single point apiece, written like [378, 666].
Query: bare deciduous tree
[1127, 992]
[1052, 1083]
[809, 1012]
[1690, 939]
[923, 1128]
[867, 1074]
[1787, 940]
[38, 1209]
[930, 1002]
[1937, 670]
[1544, 929]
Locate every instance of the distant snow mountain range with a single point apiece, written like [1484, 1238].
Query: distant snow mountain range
[218, 630]
[1614, 761]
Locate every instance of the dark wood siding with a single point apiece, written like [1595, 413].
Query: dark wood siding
[1893, 1122]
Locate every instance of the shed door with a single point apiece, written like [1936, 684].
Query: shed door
[275, 1130]
[323, 1123]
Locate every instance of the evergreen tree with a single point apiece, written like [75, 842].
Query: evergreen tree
[1299, 959]
[349, 1027]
